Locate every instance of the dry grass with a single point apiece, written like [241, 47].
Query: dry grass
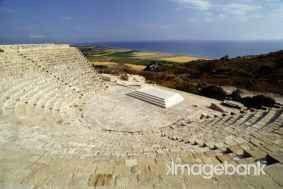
[136, 67]
[144, 54]
[114, 64]
[181, 59]
[105, 63]
[164, 57]
[149, 55]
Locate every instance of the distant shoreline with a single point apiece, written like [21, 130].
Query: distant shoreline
[141, 55]
[209, 49]
[143, 51]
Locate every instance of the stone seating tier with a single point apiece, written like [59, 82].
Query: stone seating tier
[46, 139]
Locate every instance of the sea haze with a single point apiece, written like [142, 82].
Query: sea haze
[209, 49]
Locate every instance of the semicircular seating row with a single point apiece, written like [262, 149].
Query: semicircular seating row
[249, 135]
[36, 90]
[58, 96]
[41, 109]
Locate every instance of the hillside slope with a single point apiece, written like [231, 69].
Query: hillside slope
[260, 73]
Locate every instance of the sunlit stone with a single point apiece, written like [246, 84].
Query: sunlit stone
[159, 97]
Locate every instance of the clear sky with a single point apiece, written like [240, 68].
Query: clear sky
[132, 20]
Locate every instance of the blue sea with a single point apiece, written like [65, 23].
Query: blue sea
[209, 49]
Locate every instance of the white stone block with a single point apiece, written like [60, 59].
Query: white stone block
[159, 97]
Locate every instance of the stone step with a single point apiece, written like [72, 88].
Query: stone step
[265, 120]
[256, 117]
[157, 96]
[253, 151]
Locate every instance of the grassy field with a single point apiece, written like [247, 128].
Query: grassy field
[132, 57]
[180, 59]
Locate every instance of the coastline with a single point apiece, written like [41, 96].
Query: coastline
[101, 51]
[209, 49]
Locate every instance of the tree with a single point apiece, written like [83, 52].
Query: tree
[225, 58]
[236, 95]
[258, 101]
[213, 92]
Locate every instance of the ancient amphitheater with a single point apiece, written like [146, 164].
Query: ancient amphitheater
[63, 126]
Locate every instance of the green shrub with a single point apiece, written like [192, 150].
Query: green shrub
[213, 92]
[258, 101]
[224, 58]
[236, 95]
[207, 67]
